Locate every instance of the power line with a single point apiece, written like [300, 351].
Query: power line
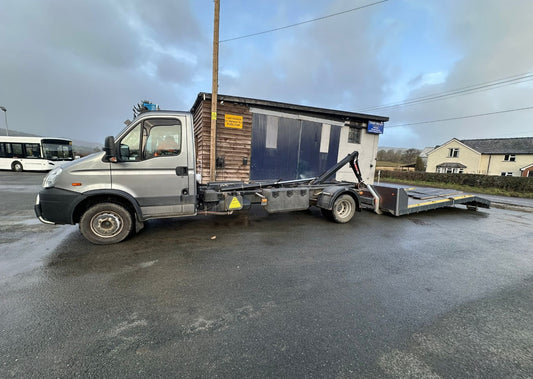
[515, 79]
[303, 22]
[461, 117]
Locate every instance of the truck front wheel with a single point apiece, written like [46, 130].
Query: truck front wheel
[343, 209]
[106, 223]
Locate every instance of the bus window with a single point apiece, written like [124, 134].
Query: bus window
[32, 150]
[16, 148]
[3, 152]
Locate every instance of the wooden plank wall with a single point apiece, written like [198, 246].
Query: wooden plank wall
[232, 144]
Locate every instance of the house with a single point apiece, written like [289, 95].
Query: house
[527, 171]
[496, 156]
[261, 139]
[424, 155]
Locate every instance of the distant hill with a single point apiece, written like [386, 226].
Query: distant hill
[395, 149]
[15, 133]
[79, 147]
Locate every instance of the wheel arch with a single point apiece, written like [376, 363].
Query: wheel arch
[328, 196]
[95, 197]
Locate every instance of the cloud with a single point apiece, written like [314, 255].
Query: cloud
[325, 63]
[491, 39]
[75, 68]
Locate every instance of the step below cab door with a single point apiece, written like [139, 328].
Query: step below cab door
[153, 167]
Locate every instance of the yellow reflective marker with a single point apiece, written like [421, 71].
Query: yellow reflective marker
[235, 204]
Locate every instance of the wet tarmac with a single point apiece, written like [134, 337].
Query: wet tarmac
[446, 293]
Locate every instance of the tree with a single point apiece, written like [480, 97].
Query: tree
[381, 155]
[409, 156]
[420, 166]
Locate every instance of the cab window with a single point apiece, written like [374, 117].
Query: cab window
[158, 138]
[162, 137]
[130, 145]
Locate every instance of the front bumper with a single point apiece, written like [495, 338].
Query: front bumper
[56, 206]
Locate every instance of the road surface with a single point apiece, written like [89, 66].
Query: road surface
[446, 293]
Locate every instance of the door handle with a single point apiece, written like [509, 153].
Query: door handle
[181, 171]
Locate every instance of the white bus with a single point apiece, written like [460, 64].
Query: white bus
[34, 153]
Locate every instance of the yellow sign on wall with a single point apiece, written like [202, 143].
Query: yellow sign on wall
[233, 121]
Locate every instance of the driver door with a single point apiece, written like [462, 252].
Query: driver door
[153, 168]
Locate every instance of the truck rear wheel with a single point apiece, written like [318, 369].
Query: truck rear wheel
[343, 209]
[106, 223]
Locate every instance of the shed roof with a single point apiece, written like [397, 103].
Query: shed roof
[501, 145]
[291, 108]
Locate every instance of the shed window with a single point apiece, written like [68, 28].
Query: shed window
[509, 158]
[271, 133]
[324, 138]
[354, 134]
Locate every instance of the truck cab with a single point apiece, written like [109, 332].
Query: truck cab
[153, 160]
[147, 171]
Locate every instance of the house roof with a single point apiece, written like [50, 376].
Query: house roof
[424, 153]
[501, 145]
[291, 108]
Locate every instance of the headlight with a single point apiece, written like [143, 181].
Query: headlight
[50, 179]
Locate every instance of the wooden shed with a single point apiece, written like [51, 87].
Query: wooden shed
[261, 139]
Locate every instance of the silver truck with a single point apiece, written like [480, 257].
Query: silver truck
[148, 171]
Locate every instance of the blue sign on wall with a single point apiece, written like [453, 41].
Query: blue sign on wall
[375, 127]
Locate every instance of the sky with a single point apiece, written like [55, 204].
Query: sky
[75, 69]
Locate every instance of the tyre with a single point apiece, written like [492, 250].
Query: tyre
[106, 223]
[343, 209]
[17, 166]
[327, 213]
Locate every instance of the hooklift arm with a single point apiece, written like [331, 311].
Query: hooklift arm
[352, 159]
[354, 164]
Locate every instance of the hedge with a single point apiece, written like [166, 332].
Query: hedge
[508, 183]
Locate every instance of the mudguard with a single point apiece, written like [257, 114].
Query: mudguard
[328, 196]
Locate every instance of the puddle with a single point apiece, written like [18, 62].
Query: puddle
[27, 252]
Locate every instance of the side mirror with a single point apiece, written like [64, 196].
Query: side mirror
[110, 149]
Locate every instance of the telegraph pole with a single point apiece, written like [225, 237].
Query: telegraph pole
[212, 155]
